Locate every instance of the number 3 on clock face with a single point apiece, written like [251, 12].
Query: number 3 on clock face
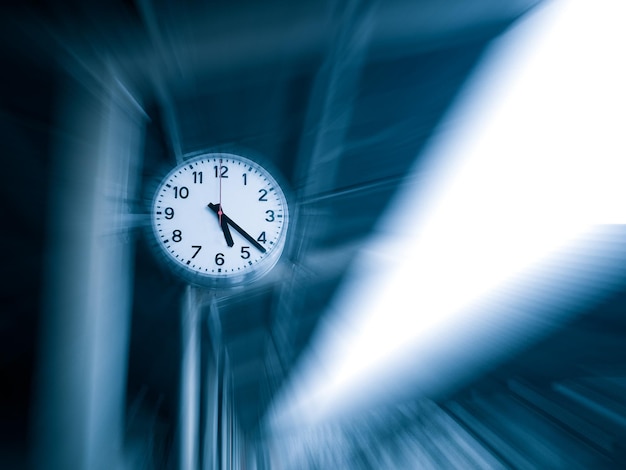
[220, 219]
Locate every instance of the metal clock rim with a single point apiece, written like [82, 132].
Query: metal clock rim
[235, 280]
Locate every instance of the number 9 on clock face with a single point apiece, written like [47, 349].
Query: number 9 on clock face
[220, 219]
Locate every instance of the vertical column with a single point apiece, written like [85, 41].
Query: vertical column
[225, 438]
[82, 362]
[189, 417]
[213, 389]
[211, 414]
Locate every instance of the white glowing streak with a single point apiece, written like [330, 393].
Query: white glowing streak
[539, 159]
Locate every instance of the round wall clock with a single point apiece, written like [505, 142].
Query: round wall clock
[220, 219]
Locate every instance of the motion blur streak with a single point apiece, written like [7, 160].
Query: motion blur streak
[84, 333]
[503, 234]
[453, 289]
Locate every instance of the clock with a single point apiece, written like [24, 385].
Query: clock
[220, 219]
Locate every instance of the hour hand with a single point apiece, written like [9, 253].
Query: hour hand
[226, 230]
[223, 224]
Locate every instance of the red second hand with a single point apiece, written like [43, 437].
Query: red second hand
[219, 210]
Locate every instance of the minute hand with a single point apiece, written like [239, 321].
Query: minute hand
[243, 233]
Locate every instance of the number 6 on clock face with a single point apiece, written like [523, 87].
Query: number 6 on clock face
[220, 219]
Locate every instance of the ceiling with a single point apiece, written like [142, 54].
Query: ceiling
[342, 99]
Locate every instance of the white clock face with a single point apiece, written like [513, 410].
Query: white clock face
[221, 219]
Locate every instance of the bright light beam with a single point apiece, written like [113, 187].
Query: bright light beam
[530, 159]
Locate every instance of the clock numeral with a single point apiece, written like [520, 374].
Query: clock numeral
[262, 238]
[183, 192]
[177, 236]
[263, 194]
[199, 247]
[245, 179]
[197, 177]
[270, 216]
[169, 213]
[219, 259]
[245, 252]
[221, 168]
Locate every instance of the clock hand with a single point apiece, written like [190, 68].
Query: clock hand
[226, 230]
[228, 221]
[244, 233]
[222, 220]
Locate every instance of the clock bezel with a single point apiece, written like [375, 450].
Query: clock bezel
[223, 281]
